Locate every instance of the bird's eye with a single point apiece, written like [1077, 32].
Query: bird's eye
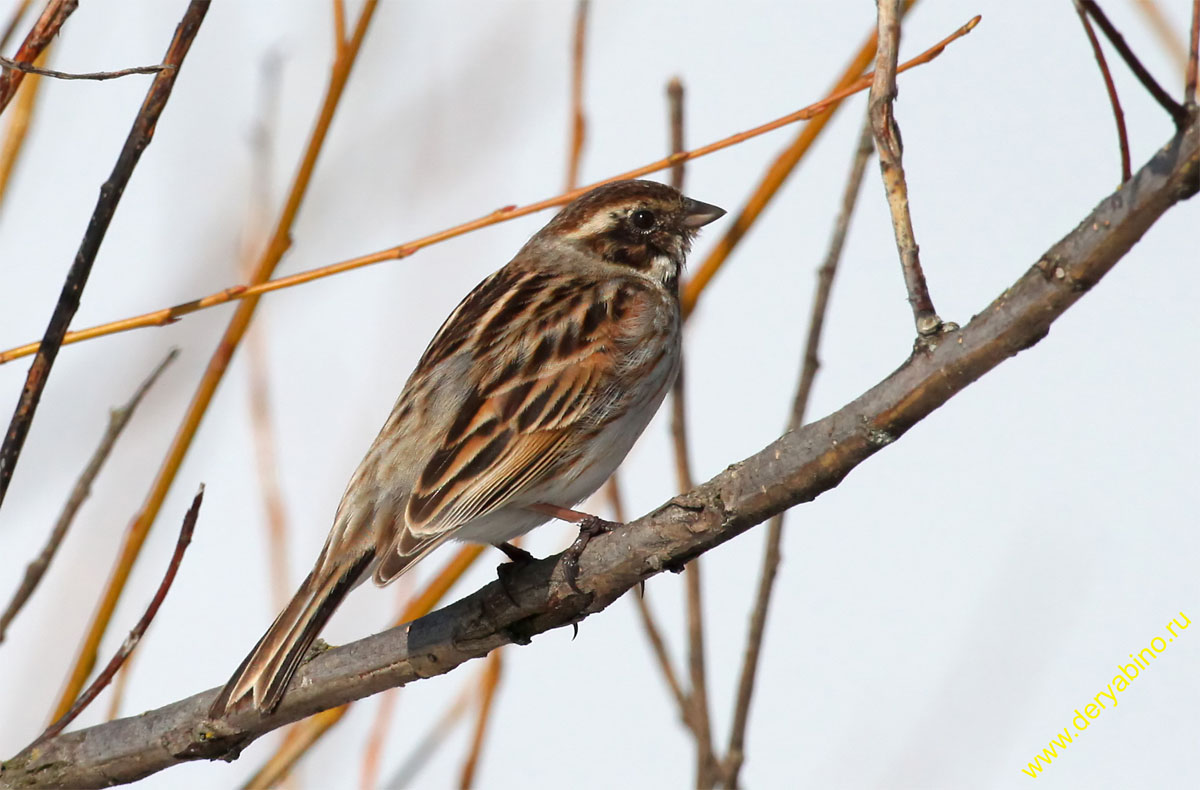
[642, 219]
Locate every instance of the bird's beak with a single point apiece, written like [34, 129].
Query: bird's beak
[697, 214]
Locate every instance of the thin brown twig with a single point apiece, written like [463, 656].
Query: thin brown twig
[261, 423]
[169, 315]
[783, 166]
[797, 467]
[39, 37]
[1193, 64]
[1173, 108]
[111, 190]
[98, 76]
[488, 685]
[385, 712]
[425, 748]
[1167, 35]
[19, 121]
[1118, 113]
[612, 491]
[578, 118]
[735, 754]
[139, 528]
[139, 629]
[13, 21]
[887, 143]
[118, 418]
[699, 716]
[339, 24]
[311, 730]
[373, 750]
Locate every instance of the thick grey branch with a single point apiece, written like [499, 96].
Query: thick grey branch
[796, 468]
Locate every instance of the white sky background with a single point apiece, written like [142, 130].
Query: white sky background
[938, 616]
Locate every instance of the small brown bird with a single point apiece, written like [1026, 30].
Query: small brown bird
[529, 396]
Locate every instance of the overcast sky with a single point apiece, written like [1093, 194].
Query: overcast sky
[939, 616]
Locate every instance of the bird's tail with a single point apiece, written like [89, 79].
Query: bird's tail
[266, 672]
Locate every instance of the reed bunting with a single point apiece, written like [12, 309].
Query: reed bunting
[526, 400]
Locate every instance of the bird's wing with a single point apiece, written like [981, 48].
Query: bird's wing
[536, 398]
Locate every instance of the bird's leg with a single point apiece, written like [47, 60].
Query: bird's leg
[516, 554]
[589, 527]
[517, 557]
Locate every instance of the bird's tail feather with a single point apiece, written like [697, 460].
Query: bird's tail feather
[266, 672]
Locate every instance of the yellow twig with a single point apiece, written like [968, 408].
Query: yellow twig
[169, 315]
[777, 173]
[491, 680]
[139, 528]
[18, 124]
[310, 730]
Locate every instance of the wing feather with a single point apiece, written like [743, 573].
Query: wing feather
[521, 420]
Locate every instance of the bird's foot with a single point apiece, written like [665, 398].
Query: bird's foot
[518, 558]
[589, 528]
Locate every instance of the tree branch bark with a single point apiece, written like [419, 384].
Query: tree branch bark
[796, 468]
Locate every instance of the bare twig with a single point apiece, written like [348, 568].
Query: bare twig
[373, 750]
[887, 142]
[308, 733]
[39, 37]
[339, 25]
[675, 115]
[262, 426]
[117, 420]
[488, 684]
[19, 121]
[1118, 114]
[14, 20]
[169, 315]
[425, 748]
[735, 755]
[98, 76]
[795, 468]
[110, 195]
[1193, 64]
[777, 173]
[1167, 35]
[1173, 108]
[578, 118]
[612, 491]
[698, 716]
[139, 629]
[139, 528]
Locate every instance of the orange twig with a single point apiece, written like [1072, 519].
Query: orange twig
[424, 749]
[1193, 64]
[139, 630]
[39, 37]
[13, 21]
[18, 125]
[169, 315]
[262, 426]
[135, 536]
[578, 119]
[491, 679]
[310, 730]
[1167, 35]
[848, 83]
